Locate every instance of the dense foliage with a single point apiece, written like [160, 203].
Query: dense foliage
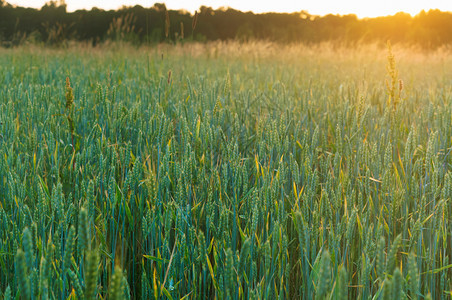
[232, 171]
[53, 25]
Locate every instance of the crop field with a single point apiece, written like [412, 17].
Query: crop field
[225, 171]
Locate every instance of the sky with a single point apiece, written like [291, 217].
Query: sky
[362, 8]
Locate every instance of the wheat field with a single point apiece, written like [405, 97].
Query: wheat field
[225, 171]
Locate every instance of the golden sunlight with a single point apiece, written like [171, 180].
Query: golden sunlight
[321, 7]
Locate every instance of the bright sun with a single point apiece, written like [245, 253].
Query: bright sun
[362, 8]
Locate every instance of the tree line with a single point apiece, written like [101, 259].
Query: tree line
[53, 24]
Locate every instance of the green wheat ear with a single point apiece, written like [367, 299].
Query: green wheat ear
[116, 291]
[387, 289]
[91, 275]
[43, 277]
[70, 113]
[397, 284]
[68, 249]
[414, 276]
[28, 247]
[69, 94]
[83, 234]
[22, 274]
[342, 284]
[392, 255]
[126, 288]
[76, 284]
[229, 273]
[90, 199]
[394, 85]
[7, 295]
[380, 259]
[244, 253]
[324, 276]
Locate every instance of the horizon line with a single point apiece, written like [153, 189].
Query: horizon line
[224, 8]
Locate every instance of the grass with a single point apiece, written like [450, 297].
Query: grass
[225, 170]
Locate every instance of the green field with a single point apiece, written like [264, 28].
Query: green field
[225, 171]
